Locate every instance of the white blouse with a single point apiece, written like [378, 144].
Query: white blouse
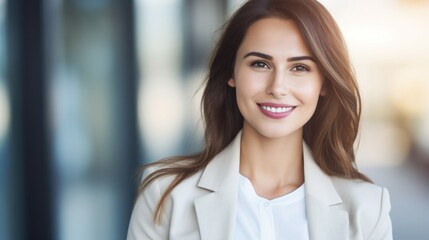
[262, 219]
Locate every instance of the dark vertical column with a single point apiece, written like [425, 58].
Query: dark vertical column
[15, 198]
[127, 130]
[30, 143]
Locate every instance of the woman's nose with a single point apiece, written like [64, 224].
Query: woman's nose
[278, 87]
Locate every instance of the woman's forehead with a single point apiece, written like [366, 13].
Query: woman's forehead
[274, 36]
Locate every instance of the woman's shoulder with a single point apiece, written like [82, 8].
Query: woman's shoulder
[368, 204]
[163, 176]
[155, 181]
[358, 191]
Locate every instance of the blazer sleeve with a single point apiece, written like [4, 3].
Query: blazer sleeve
[383, 227]
[141, 225]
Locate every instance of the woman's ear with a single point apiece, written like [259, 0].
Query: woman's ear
[231, 82]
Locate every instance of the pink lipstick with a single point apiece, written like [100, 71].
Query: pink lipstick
[275, 110]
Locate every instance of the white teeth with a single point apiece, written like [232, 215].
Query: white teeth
[277, 110]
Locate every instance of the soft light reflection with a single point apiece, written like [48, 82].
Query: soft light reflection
[4, 112]
[389, 51]
[161, 115]
[410, 98]
[161, 108]
[382, 144]
[410, 91]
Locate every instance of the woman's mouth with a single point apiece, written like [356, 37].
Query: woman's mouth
[276, 111]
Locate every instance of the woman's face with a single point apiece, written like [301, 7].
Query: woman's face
[277, 80]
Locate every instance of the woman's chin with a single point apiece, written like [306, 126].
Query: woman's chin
[275, 133]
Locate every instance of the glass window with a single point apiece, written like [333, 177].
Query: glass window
[91, 106]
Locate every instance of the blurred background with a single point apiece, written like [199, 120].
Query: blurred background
[91, 89]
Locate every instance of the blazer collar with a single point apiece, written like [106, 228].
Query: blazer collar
[223, 169]
[317, 183]
[216, 210]
[325, 220]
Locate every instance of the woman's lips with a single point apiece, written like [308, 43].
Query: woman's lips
[275, 110]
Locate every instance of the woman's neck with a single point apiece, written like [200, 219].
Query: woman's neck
[274, 166]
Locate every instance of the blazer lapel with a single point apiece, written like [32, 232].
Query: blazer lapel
[325, 219]
[216, 210]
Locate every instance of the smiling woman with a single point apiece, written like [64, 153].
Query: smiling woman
[283, 82]
[282, 109]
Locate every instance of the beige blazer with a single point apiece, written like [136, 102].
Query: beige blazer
[204, 206]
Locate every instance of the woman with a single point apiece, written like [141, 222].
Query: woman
[282, 108]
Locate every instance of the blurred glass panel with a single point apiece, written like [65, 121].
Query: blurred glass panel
[174, 39]
[389, 50]
[91, 135]
[5, 183]
[160, 104]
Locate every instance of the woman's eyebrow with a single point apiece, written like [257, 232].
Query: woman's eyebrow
[258, 54]
[293, 59]
[268, 57]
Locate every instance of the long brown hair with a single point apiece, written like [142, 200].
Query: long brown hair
[331, 131]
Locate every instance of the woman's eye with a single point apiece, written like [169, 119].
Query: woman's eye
[258, 64]
[300, 68]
